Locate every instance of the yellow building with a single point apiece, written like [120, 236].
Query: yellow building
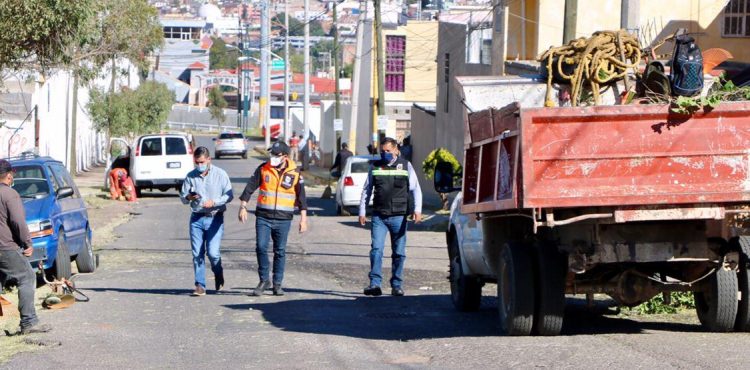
[410, 67]
[535, 25]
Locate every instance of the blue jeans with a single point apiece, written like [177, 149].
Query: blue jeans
[396, 226]
[205, 238]
[277, 230]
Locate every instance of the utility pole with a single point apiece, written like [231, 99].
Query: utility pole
[570, 20]
[306, 109]
[378, 41]
[287, 126]
[265, 22]
[336, 72]
[241, 47]
[356, 77]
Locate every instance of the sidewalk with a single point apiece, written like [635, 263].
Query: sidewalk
[91, 181]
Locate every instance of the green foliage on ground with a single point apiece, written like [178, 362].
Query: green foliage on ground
[721, 91]
[131, 112]
[657, 305]
[437, 156]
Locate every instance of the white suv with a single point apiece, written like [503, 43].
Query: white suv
[230, 143]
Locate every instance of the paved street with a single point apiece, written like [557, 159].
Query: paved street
[140, 314]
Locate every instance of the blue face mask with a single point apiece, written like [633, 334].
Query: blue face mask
[203, 167]
[388, 157]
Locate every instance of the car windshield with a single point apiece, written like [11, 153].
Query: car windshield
[29, 182]
[230, 136]
[360, 167]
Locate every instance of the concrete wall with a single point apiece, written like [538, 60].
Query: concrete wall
[423, 142]
[54, 99]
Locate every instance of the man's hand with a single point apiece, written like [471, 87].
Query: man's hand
[417, 217]
[362, 220]
[208, 204]
[28, 251]
[243, 215]
[302, 224]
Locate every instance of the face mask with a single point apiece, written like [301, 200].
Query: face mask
[276, 161]
[203, 167]
[388, 157]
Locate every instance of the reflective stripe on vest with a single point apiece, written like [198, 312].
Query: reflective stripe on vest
[390, 173]
[277, 191]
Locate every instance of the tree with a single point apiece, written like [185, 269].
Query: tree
[131, 112]
[217, 104]
[296, 28]
[37, 34]
[221, 57]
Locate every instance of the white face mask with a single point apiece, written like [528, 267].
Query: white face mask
[276, 161]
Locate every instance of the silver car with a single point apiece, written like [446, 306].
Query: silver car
[230, 143]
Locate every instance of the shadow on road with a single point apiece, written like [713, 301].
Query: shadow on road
[183, 292]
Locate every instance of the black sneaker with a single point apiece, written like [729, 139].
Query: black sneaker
[262, 287]
[219, 282]
[397, 292]
[38, 328]
[277, 290]
[373, 291]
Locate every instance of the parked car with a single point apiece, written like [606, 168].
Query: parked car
[230, 143]
[56, 215]
[154, 161]
[352, 181]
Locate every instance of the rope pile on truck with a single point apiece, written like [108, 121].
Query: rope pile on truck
[603, 58]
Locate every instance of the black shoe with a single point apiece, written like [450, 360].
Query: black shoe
[38, 328]
[397, 292]
[262, 287]
[277, 290]
[219, 282]
[373, 291]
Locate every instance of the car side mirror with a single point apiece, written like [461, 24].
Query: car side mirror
[444, 178]
[65, 192]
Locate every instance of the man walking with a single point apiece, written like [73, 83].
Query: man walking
[207, 189]
[281, 190]
[397, 194]
[15, 246]
[294, 146]
[340, 160]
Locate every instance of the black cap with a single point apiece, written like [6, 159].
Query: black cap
[5, 167]
[279, 148]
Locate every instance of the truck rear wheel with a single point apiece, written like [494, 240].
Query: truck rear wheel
[743, 277]
[716, 304]
[515, 290]
[551, 268]
[466, 292]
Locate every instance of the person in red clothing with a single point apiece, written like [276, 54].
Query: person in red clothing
[127, 187]
[294, 147]
[121, 185]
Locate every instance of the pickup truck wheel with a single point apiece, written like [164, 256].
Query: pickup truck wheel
[551, 267]
[466, 291]
[85, 258]
[515, 290]
[62, 268]
[743, 277]
[716, 304]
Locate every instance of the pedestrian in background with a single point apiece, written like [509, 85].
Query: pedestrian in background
[15, 247]
[207, 189]
[281, 189]
[340, 161]
[294, 146]
[395, 186]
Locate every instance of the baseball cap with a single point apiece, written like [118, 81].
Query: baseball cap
[279, 148]
[5, 167]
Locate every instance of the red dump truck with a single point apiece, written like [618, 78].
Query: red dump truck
[629, 201]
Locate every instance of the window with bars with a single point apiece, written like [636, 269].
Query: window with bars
[736, 19]
[395, 54]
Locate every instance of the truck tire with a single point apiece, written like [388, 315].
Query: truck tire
[85, 261]
[515, 290]
[466, 291]
[743, 280]
[551, 269]
[62, 268]
[716, 304]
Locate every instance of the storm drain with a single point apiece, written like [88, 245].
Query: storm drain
[390, 315]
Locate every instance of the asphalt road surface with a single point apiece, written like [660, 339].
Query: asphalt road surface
[141, 315]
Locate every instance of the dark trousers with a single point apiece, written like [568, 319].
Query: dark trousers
[267, 229]
[16, 270]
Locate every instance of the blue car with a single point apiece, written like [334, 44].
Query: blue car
[56, 216]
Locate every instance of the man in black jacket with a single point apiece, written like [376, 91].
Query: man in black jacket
[341, 158]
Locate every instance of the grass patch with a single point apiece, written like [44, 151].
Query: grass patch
[655, 306]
